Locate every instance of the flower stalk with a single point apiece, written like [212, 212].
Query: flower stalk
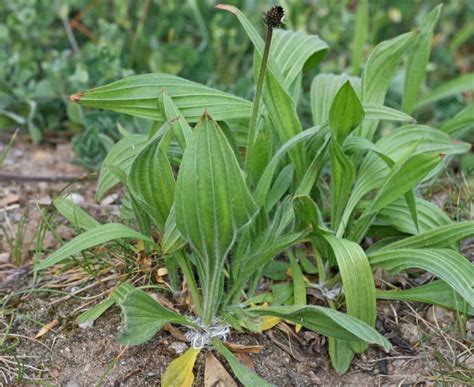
[273, 18]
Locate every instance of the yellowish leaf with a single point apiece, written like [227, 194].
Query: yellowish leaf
[180, 371]
[268, 322]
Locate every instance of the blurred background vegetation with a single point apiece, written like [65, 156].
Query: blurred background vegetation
[52, 48]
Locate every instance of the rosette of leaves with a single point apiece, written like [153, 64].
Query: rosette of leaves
[241, 207]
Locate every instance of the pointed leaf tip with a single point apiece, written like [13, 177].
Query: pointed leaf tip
[76, 97]
[227, 7]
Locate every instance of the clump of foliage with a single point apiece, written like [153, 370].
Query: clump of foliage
[227, 192]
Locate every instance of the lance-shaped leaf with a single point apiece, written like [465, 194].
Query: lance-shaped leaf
[121, 155]
[398, 215]
[212, 200]
[96, 236]
[247, 377]
[144, 317]
[75, 214]
[440, 237]
[181, 128]
[447, 265]
[95, 312]
[418, 59]
[437, 293]
[180, 371]
[346, 112]
[328, 322]
[379, 71]
[461, 123]
[172, 239]
[403, 177]
[376, 112]
[342, 179]
[299, 285]
[309, 214]
[151, 182]
[294, 51]
[341, 354]
[360, 35]
[323, 90]
[138, 96]
[457, 86]
[357, 280]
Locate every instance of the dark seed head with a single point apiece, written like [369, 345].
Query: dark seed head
[275, 17]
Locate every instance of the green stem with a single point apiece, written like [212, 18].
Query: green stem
[189, 275]
[258, 95]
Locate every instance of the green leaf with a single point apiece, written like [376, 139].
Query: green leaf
[180, 371]
[342, 179]
[138, 96]
[95, 312]
[418, 60]
[447, 265]
[246, 376]
[121, 292]
[75, 214]
[457, 86]
[440, 237]
[405, 174]
[308, 212]
[398, 215]
[299, 286]
[341, 354]
[346, 112]
[323, 90]
[376, 112]
[172, 239]
[264, 184]
[379, 71]
[96, 236]
[461, 123]
[280, 186]
[357, 281]
[437, 293]
[121, 155]
[403, 177]
[328, 322]
[143, 317]
[360, 35]
[294, 50]
[181, 128]
[212, 201]
[151, 182]
[381, 66]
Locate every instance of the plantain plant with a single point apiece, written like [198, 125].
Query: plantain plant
[227, 192]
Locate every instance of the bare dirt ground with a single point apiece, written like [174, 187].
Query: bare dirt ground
[430, 345]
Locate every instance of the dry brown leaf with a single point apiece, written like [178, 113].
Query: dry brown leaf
[246, 360]
[9, 199]
[161, 272]
[46, 328]
[240, 348]
[215, 374]
[175, 332]
[160, 299]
